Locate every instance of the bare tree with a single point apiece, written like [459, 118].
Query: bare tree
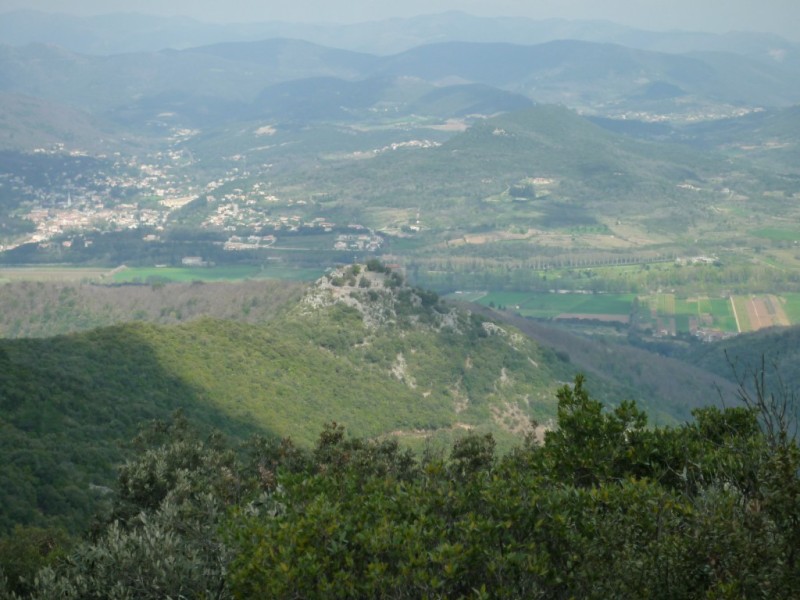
[764, 390]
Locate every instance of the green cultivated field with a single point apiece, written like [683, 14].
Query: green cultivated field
[291, 274]
[467, 296]
[657, 311]
[506, 299]
[684, 307]
[714, 313]
[723, 314]
[741, 311]
[549, 305]
[665, 304]
[792, 307]
[776, 235]
[230, 273]
[682, 322]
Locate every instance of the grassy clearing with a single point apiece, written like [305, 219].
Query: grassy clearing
[720, 309]
[703, 306]
[184, 274]
[682, 322]
[723, 317]
[291, 274]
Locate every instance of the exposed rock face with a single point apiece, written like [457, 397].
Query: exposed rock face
[381, 297]
[481, 373]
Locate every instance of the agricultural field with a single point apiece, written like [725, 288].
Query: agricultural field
[739, 305]
[467, 296]
[665, 314]
[760, 311]
[791, 307]
[601, 307]
[776, 234]
[670, 315]
[228, 273]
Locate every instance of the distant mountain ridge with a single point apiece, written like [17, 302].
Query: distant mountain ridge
[120, 33]
[297, 80]
[27, 123]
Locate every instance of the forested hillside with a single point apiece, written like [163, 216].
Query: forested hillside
[42, 309]
[775, 352]
[361, 347]
[669, 388]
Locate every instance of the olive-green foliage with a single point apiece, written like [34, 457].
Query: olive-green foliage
[605, 508]
[25, 551]
[591, 445]
[159, 539]
[376, 266]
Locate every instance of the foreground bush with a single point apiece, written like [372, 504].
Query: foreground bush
[605, 508]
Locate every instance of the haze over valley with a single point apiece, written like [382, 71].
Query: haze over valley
[320, 264]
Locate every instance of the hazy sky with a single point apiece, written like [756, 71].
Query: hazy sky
[778, 16]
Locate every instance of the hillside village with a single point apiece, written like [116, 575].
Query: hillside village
[147, 195]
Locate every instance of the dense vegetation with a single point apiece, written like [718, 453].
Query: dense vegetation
[67, 403]
[605, 507]
[46, 309]
[774, 351]
[362, 347]
[685, 383]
